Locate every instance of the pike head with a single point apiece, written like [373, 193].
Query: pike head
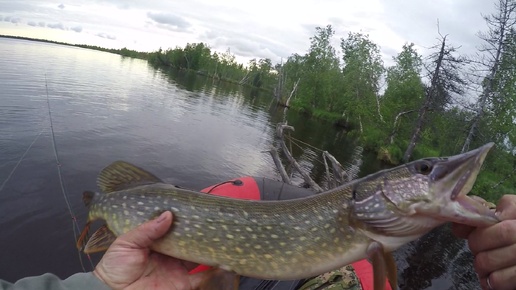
[401, 204]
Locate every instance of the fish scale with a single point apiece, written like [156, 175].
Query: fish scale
[293, 239]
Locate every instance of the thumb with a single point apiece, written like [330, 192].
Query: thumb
[145, 234]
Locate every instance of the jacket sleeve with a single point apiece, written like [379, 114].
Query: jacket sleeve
[48, 281]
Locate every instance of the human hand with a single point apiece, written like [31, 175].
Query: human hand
[130, 264]
[494, 247]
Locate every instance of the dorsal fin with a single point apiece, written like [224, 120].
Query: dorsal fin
[121, 175]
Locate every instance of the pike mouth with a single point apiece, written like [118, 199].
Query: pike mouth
[470, 210]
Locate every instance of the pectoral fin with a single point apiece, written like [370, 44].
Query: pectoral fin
[100, 240]
[392, 270]
[217, 279]
[384, 266]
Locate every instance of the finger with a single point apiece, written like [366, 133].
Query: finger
[496, 236]
[462, 231]
[145, 234]
[494, 260]
[506, 208]
[504, 279]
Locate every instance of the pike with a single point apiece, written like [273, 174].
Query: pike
[293, 239]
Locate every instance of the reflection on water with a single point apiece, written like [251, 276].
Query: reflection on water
[189, 130]
[436, 261]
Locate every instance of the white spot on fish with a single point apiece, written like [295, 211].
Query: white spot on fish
[140, 213]
[140, 203]
[230, 236]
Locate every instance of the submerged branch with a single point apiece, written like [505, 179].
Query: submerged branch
[279, 165]
[306, 177]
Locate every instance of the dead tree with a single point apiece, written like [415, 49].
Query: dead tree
[445, 81]
[499, 26]
[293, 162]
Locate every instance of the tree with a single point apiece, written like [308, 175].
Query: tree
[320, 68]
[502, 111]
[363, 68]
[445, 81]
[405, 90]
[495, 42]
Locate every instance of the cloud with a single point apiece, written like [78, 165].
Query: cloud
[32, 23]
[105, 35]
[76, 28]
[169, 21]
[41, 24]
[61, 6]
[56, 26]
[14, 20]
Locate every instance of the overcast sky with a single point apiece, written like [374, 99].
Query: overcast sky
[251, 29]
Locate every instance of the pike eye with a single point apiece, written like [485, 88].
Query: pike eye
[424, 167]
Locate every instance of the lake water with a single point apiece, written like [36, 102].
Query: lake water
[186, 129]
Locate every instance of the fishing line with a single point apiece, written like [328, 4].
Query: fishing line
[75, 225]
[19, 161]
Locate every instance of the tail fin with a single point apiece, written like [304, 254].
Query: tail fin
[84, 237]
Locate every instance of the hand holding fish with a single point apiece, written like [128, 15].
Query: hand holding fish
[494, 247]
[130, 264]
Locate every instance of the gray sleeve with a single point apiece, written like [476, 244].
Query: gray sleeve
[48, 281]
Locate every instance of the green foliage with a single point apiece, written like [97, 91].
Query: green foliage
[363, 68]
[199, 58]
[404, 92]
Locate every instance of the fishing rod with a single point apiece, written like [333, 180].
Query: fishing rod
[75, 225]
